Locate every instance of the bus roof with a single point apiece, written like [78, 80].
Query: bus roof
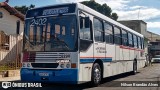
[95, 13]
[91, 11]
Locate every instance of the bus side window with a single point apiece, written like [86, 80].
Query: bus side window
[124, 38]
[31, 34]
[85, 28]
[98, 30]
[117, 35]
[135, 41]
[139, 43]
[142, 45]
[85, 33]
[108, 32]
[130, 39]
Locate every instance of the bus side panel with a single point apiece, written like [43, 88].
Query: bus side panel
[141, 60]
[126, 59]
[116, 64]
[107, 69]
[121, 64]
[85, 72]
[110, 52]
[85, 67]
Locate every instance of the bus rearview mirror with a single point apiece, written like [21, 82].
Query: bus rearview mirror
[81, 22]
[87, 23]
[84, 22]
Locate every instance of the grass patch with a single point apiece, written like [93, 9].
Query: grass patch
[9, 66]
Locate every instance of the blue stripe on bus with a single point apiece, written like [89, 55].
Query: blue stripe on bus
[91, 60]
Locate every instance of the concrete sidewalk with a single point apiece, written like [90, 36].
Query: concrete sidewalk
[15, 78]
[12, 75]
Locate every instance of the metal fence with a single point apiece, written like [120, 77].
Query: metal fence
[10, 59]
[10, 65]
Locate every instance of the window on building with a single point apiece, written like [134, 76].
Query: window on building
[4, 41]
[98, 30]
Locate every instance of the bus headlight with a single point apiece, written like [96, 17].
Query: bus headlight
[62, 65]
[23, 65]
[28, 65]
[68, 65]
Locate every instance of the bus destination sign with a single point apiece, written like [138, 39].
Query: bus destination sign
[55, 11]
[51, 10]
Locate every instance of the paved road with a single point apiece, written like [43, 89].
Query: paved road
[148, 75]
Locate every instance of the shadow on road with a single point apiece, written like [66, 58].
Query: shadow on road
[53, 86]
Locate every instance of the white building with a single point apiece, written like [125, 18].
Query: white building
[9, 18]
[8, 24]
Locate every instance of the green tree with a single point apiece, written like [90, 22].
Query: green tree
[114, 16]
[104, 9]
[23, 9]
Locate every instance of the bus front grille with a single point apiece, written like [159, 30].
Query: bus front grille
[51, 57]
[44, 65]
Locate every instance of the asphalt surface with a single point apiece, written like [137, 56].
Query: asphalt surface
[146, 79]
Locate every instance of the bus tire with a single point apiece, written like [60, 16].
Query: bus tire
[96, 75]
[134, 67]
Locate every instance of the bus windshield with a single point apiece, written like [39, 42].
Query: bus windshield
[54, 33]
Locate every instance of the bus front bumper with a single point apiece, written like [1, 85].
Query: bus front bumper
[67, 76]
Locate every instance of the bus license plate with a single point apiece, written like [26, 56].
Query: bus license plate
[43, 74]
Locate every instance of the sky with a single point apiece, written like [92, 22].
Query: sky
[146, 10]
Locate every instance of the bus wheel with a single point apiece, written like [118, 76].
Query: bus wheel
[134, 67]
[96, 74]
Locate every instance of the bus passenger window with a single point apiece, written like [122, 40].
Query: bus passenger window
[57, 29]
[108, 33]
[142, 45]
[63, 30]
[117, 36]
[135, 41]
[48, 33]
[31, 34]
[98, 30]
[124, 38]
[139, 43]
[38, 34]
[72, 31]
[130, 39]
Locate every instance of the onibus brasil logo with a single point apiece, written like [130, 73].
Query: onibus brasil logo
[6, 85]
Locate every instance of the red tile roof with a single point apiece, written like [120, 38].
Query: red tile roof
[12, 10]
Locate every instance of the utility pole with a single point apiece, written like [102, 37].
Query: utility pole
[139, 13]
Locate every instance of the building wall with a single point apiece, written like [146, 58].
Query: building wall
[153, 37]
[140, 27]
[8, 26]
[136, 25]
[143, 28]
[8, 23]
[15, 47]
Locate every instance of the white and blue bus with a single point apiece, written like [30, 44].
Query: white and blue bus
[72, 43]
